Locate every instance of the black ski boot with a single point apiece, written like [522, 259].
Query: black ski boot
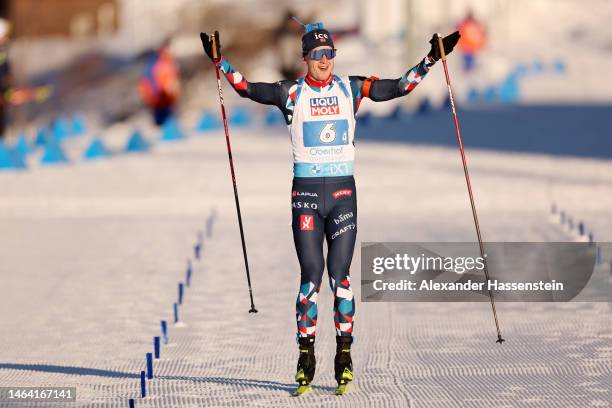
[343, 365]
[306, 365]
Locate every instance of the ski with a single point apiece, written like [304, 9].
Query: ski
[344, 382]
[302, 389]
[306, 366]
[343, 388]
[303, 383]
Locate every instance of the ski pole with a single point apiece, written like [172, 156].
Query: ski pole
[215, 40]
[500, 340]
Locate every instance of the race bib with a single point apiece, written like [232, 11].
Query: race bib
[325, 133]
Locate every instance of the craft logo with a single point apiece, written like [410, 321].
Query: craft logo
[306, 222]
[324, 106]
[342, 230]
[340, 193]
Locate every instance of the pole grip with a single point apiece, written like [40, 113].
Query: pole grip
[441, 46]
[215, 40]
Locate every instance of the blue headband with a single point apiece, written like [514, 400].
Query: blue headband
[309, 27]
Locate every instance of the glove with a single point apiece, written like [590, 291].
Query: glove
[449, 43]
[208, 45]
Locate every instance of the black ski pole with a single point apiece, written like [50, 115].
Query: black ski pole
[215, 41]
[500, 340]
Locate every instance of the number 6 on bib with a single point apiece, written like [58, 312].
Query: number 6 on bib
[328, 134]
[324, 132]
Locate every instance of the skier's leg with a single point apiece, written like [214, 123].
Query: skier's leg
[308, 232]
[341, 235]
[308, 238]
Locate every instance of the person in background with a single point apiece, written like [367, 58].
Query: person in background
[160, 85]
[5, 72]
[473, 40]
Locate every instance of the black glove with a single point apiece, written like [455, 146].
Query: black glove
[208, 45]
[449, 43]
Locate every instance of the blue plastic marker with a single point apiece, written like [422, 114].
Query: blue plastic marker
[136, 143]
[150, 366]
[156, 346]
[96, 150]
[196, 250]
[180, 293]
[581, 228]
[188, 277]
[143, 385]
[598, 256]
[131, 403]
[176, 313]
[208, 121]
[209, 224]
[164, 329]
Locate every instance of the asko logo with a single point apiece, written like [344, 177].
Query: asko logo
[324, 106]
[340, 193]
[306, 222]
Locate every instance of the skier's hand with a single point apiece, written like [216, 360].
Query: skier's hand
[207, 43]
[449, 43]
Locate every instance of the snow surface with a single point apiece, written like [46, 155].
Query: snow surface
[92, 254]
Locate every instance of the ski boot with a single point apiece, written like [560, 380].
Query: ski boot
[306, 366]
[343, 365]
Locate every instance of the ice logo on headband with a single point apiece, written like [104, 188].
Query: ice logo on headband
[309, 27]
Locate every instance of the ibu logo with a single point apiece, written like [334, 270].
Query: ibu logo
[327, 105]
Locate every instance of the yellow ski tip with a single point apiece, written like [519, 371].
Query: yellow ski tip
[301, 390]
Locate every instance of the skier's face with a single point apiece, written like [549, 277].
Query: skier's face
[319, 69]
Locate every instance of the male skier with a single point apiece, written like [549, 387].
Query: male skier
[319, 110]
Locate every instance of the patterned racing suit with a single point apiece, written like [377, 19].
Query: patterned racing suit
[321, 121]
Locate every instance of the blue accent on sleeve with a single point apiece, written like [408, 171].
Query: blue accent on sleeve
[356, 91]
[225, 66]
[298, 92]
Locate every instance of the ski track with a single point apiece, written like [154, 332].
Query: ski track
[92, 254]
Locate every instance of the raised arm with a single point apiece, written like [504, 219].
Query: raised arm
[267, 93]
[380, 90]
[262, 92]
